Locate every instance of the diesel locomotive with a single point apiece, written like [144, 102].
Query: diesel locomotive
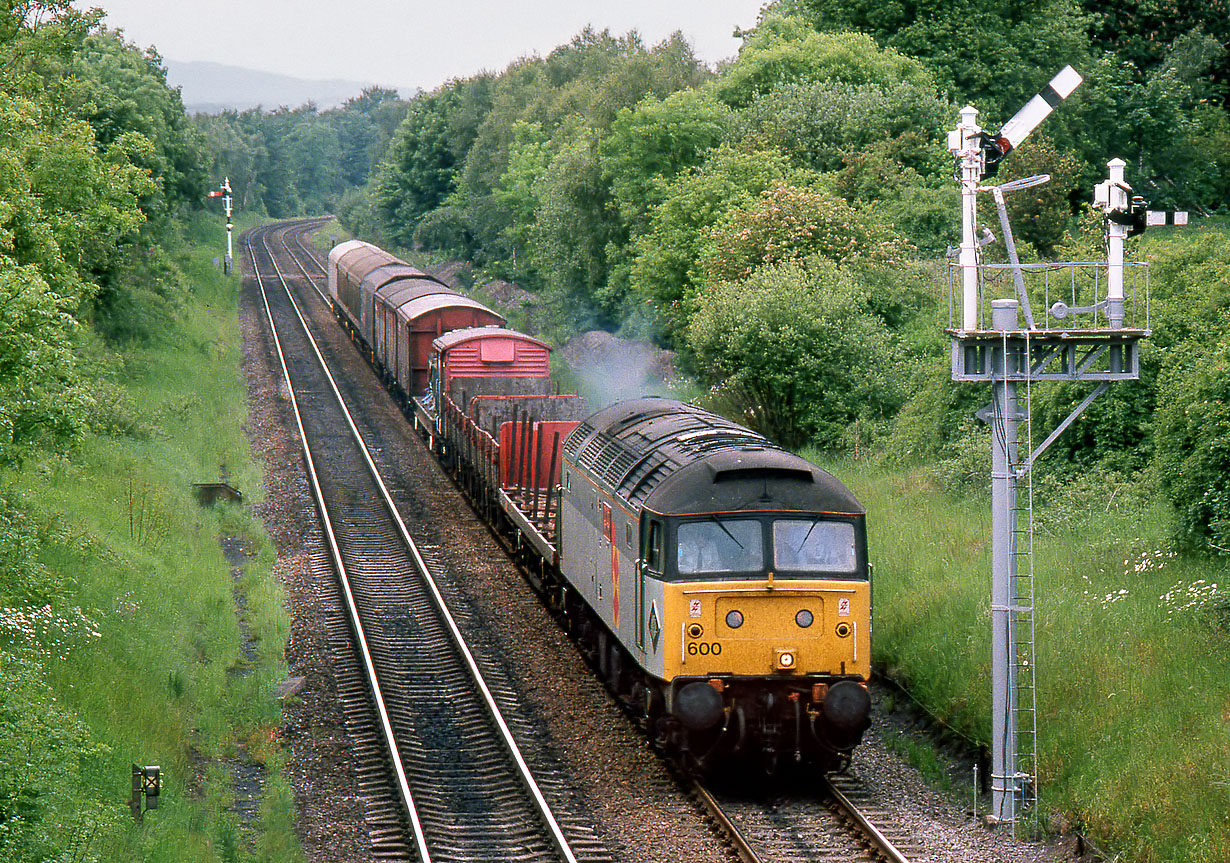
[718, 583]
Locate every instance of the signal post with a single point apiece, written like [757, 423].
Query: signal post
[224, 192]
[1089, 330]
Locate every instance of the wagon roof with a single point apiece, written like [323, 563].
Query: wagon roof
[403, 291]
[455, 337]
[397, 271]
[361, 260]
[425, 305]
[342, 248]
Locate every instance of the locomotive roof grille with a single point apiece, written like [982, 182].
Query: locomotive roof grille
[681, 459]
[608, 457]
[574, 441]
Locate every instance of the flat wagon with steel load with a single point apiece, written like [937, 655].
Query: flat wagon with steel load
[494, 418]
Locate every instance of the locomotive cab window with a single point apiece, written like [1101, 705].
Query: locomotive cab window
[719, 546]
[806, 544]
[653, 549]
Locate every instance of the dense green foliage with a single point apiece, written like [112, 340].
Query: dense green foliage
[797, 350]
[1192, 418]
[288, 161]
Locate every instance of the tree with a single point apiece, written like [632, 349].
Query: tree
[120, 92]
[798, 353]
[421, 168]
[820, 124]
[1193, 442]
[572, 229]
[796, 223]
[785, 50]
[1143, 31]
[995, 55]
[43, 399]
[664, 271]
[649, 145]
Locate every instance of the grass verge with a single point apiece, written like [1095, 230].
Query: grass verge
[121, 641]
[1133, 653]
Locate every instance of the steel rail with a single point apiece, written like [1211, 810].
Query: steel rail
[527, 778]
[742, 847]
[298, 263]
[883, 845]
[336, 555]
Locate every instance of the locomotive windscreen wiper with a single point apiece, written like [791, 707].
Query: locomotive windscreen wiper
[726, 531]
[803, 542]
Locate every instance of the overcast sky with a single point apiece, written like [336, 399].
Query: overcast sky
[408, 43]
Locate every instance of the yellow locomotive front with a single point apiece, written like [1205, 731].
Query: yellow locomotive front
[787, 622]
[767, 647]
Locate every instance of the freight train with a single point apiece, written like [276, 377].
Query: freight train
[718, 583]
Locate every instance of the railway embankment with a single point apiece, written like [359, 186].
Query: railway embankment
[1131, 645]
[132, 642]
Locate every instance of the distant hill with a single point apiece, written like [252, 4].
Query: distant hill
[209, 88]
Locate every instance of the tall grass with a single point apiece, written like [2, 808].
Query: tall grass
[1133, 661]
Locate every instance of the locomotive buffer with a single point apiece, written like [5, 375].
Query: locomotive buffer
[1093, 320]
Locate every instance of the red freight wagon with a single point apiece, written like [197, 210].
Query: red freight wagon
[378, 287]
[489, 360]
[497, 425]
[424, 318]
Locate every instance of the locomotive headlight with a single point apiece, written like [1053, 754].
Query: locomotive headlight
[734, 619]
[843, 630]
[785, 660]
[804, 618]
[696, 630]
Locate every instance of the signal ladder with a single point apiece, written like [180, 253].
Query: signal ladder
[1024, 708]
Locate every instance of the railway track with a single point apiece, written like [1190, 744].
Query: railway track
[802, 825]
[445, 774]
[797, 825]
